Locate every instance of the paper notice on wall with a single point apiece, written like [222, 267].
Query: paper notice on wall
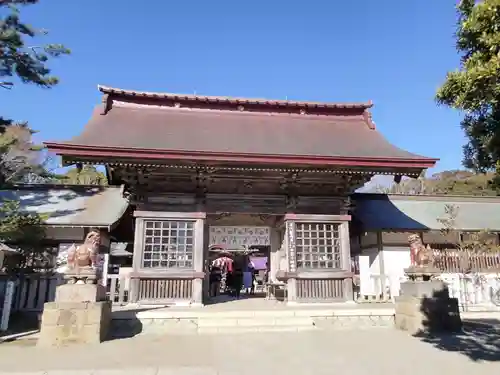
[232, 237]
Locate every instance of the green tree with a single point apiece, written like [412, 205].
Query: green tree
[455, 182]
[474, 88]
[460, 182]
[21, 61]
[87, 175]
[21, 160]
[17, 59]
[28, 63]
[25, 232]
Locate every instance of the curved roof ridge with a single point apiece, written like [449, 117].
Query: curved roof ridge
[232, 100]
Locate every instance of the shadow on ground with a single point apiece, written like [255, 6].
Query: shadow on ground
[23, 326]
[125, 324]
[225, 298]
[20, 323]
[479, 342]
[479, 339]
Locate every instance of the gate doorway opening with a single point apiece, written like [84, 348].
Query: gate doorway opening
[238, 274]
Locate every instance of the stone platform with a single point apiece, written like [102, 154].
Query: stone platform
[425, 306]
[249, 316]
[79, 315]
[66, 322]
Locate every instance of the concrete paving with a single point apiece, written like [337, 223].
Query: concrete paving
[354, 352]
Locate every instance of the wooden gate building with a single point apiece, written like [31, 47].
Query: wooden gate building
[188, 163]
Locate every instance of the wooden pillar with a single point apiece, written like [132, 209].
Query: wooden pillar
[137, 258]
[206, 245]
[274, 253]
[199, 260]
[291, 261]
[346, 259]
[381, 264]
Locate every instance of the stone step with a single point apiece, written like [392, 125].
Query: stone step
[256, 322]
[194, 321]
[254, 329]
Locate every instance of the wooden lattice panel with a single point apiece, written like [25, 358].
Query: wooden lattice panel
[165, 289]
[317, 246]
[168, 244]
[320, 289]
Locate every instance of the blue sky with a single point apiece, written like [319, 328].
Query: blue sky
[393, 52]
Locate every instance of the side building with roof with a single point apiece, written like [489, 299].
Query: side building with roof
[201, 171]
[382, 224]
[70, 211]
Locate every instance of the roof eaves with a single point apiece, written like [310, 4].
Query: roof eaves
[74, 150]
[78, 225]
[429, 197]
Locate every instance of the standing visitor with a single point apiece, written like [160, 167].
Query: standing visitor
[215, 280]
[248, 277]
[237, 280]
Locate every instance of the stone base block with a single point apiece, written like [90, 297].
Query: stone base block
[422, 289]
[74, 323]
[422, 314]
[80, 293]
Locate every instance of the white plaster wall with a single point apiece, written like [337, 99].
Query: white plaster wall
[374, 260]
[396, 259]
[473, 291]
[369, 270]
[365, 285]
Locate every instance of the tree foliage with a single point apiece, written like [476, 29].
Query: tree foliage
[27, 62]
[20, 159]
[479, 241]
[475, 87]
[455, 182]
[20, 60]
[26, 232]
[87, 175]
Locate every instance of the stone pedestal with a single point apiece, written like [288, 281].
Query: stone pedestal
[79, 315]
[80, 293]
[425, 306]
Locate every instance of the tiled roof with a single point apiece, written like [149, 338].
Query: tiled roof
[86, 206]
[233, 132]
[163, 123]
[378, 212]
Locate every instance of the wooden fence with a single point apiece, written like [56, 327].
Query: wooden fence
[118, 288]
[31, 291]
[34, 290]
[450, 261]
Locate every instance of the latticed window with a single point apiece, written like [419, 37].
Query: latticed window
[168, 244]
[318, 245]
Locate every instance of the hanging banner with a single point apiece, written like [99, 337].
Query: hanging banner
[240, 236]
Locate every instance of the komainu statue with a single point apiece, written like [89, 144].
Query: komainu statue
[422, 260]
[81, 262]
[421, 256]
